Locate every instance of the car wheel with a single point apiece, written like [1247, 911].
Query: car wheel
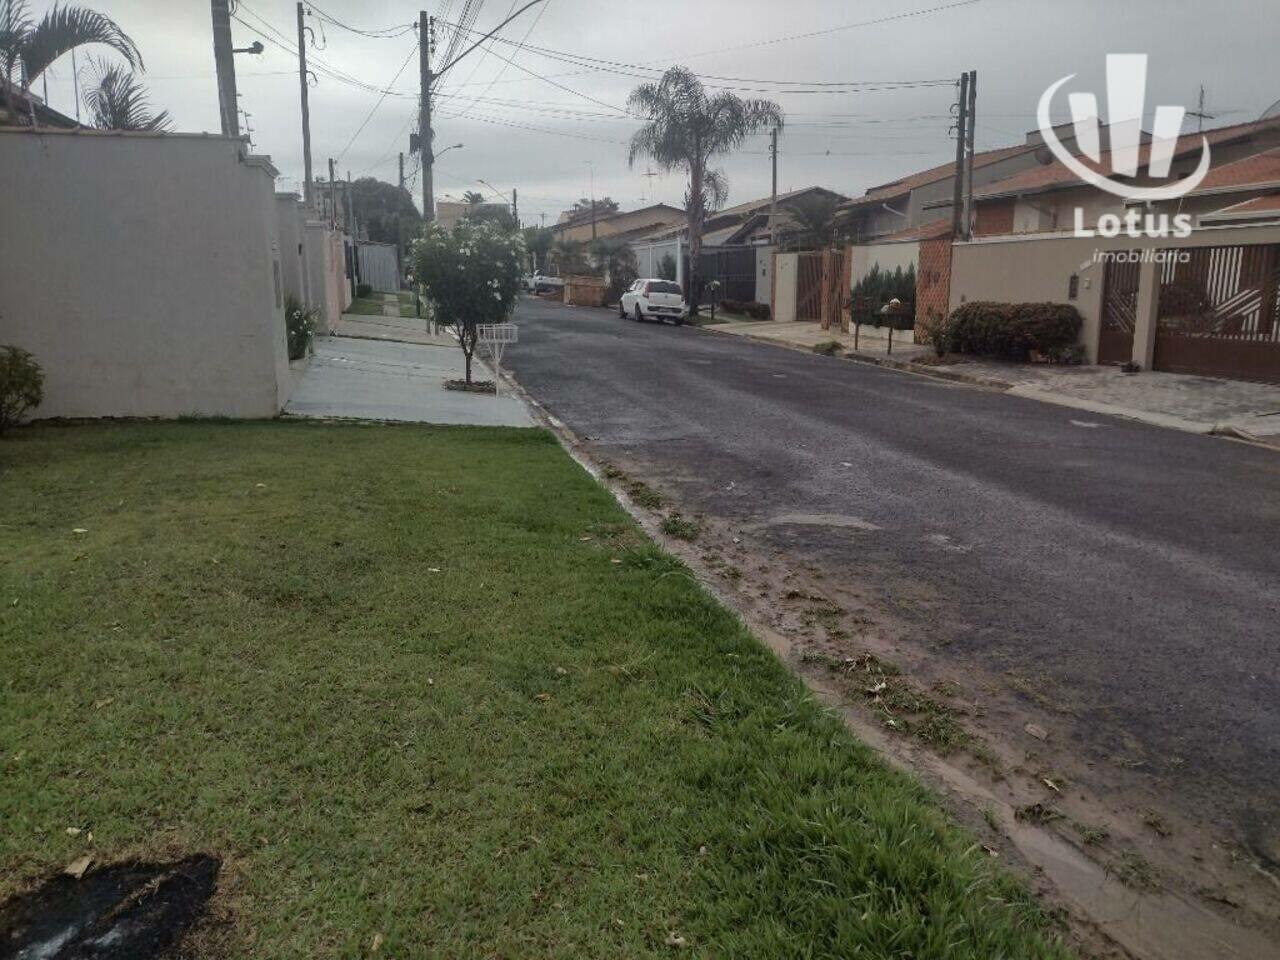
[622, 311]
[679, 321]
[639, 315]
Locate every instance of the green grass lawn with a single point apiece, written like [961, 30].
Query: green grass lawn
[433, 685]
[365, 308]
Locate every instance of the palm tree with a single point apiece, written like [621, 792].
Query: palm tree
[117, 101]
[473, 198]
[27, 49]
[816, 214]
[686, 129]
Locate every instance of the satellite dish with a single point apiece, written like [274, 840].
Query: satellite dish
[1271, 111]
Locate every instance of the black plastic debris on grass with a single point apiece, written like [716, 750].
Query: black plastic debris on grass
[128, 911]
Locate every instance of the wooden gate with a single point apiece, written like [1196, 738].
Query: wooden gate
[835, 288]
[809, 286]
[1119, 311]
[1219, 312]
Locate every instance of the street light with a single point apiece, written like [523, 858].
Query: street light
[437, 156]
[515, 215]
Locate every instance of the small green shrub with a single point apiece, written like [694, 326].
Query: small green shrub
[299, 325]
[1010, 331]
[750, 308]
[364, 290]
[21, 385]
[828, 348]
[934, 330]
[680, 528]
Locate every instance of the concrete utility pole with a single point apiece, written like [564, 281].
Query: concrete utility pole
[401, 180]
[962, 135]
[970, 115]
[351, 210]
[773, 199]
[424, 117]
[333, 197]
[515, 206]
[225, 65]
[306, 112]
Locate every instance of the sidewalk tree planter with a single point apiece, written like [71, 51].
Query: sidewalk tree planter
[471, 275]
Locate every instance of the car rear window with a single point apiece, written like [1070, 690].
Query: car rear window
[664, 286]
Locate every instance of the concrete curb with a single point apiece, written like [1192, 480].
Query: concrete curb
[1167, 421]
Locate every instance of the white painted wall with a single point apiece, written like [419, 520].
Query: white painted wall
[786, 267]
[143, 272]
[764, 273]
[889, 256]
[293, 261]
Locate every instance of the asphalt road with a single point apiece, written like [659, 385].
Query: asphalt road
[1135, 570]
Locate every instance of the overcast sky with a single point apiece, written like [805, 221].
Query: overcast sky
[846, 141]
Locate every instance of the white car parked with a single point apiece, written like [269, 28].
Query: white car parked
[654, 300]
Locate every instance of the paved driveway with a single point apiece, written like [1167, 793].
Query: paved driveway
[1121, 578]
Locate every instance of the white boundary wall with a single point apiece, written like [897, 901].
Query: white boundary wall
[649, 257]
[143, 272]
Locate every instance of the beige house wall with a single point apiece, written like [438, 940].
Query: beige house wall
[1039, 267]
[144, 273]
[786, 268]
[293, 260]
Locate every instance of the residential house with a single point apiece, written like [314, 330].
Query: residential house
[1045, 198]
[449, 212]
[624, 225]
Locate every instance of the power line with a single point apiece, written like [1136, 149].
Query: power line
[369, 116]
[383, 33]
[523, 41]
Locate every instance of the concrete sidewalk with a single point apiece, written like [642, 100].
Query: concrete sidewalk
[1249, 411]
[368, 379]
[397, 328]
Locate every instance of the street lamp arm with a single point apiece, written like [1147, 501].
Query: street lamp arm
[450, 64]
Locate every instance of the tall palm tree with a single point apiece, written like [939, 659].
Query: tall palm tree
[28, 49]
[817, 216]
[686, 130]
[473, 198]
[117, 101]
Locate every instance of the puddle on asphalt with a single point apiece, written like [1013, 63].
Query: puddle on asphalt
[129, 911]
[824, 520]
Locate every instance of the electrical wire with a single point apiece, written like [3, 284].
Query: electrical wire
[364, 123]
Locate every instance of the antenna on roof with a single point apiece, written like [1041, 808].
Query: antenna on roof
[1202, 115]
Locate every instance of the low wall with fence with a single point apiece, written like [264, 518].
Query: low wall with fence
[1206, 304]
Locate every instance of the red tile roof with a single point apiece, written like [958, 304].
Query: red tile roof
[1245, 172]
[887, 191]
[1252, 207]
[1056, 174]
[926, 231]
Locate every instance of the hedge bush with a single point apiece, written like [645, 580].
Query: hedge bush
[364, 290]
[1010, 331]
[750, 308]
[21, 385]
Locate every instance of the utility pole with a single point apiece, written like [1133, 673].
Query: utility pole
[773, 198]
[351, 210]
[515, 206]
[333, 197]
[424, 117]
[401, 180]
[592, 167]
[970, 116]
[226, 67]
[306, 111]
[962, 132]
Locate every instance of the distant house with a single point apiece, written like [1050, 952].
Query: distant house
[449, 212]
[25, 104]
[623, 225]
[1045, 198]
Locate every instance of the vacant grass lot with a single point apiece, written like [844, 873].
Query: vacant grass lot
[431, 685]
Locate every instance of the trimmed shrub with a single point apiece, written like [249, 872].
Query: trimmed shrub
[750, 308]
[21, 385]
[299, 326]
[364, 290]
[1010, 331]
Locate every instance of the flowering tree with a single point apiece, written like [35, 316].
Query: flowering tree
[470, 276]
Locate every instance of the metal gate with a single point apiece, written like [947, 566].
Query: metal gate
[1119, 311]
[809, 286]
[1219, 312]
[735, 269]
